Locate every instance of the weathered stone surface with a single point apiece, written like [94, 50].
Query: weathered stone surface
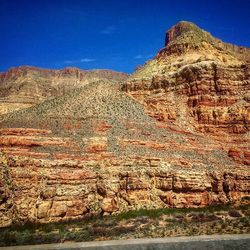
[83, 189]
[176, 136]
[109, 205]
[199, 83]
[43, 208]
[58, 209]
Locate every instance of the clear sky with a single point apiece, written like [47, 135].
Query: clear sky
[114, 34]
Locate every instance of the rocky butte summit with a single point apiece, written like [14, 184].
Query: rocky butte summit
[174, 134]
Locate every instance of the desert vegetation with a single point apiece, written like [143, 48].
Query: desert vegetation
[220, 219]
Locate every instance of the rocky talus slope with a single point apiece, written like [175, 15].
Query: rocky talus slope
[24, 86]
[175, 134]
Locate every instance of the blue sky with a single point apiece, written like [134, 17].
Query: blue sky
[111, 34]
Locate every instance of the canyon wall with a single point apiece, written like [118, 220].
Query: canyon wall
[47, 191]
[206, 96]
[174, 134]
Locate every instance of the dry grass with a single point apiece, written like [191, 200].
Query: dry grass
[134, 224]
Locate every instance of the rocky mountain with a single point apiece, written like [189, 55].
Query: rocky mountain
[24, 86]
[173, 134]
[197, 81]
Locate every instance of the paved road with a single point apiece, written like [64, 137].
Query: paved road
[213, 242]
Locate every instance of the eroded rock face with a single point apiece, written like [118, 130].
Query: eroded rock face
[177, 135]
[39, 184]
[203, 95]
[45, 190]
[199, 83]
[7, 209]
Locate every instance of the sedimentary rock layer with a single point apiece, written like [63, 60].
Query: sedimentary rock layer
[175, 134]
[45, 190]
[196, 81]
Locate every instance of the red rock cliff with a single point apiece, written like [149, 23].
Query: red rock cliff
[176, 136]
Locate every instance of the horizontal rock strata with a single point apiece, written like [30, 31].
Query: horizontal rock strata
[44, 190]
[175, 134]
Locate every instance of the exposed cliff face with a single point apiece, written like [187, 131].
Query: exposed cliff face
[24, 86]
[206, 96]
[45, 190]
[196, 81]
[176, 136]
